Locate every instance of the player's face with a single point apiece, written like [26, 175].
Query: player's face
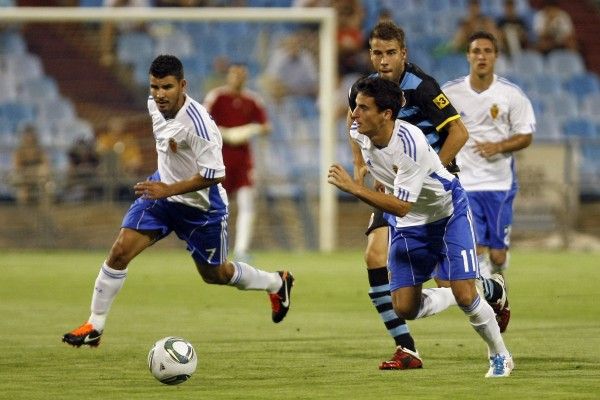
[388, 58]
[482, 57]
[369, 120]
[168, 93]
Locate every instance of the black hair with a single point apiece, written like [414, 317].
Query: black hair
[483, 35]
[386, 94]
[165, 65]
[388, 30]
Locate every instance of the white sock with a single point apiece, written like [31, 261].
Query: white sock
[108, 284]
[483, 320]
[485, 266]
[245, 220]
[246, 277]
[434, 300]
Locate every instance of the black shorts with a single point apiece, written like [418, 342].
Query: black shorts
[376, 221]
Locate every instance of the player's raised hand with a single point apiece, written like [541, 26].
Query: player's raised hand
[339, 177]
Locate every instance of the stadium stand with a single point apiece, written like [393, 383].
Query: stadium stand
[564, 92]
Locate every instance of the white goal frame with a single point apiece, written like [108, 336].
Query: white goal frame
[324, 17]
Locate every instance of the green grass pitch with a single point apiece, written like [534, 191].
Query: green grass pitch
[328, 347]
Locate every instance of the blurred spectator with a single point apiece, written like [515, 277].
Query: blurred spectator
[350, 37]
[122, 146]
[474, 21]
[218, 75]
[553, 28]
[291, 70]
[82, 174]
[109, 30]
[31, 168]
[513, 28]
[240, 115]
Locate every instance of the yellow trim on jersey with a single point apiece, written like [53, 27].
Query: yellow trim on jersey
[450, 119]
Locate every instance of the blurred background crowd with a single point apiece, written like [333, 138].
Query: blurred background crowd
[73, 123]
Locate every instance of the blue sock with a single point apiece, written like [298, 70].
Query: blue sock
[379, 292]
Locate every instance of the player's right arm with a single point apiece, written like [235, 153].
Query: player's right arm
[153, 190]
[338, 177]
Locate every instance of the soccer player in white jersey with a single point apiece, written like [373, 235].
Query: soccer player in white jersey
[500, 121]
[428, 213]
[185, 196]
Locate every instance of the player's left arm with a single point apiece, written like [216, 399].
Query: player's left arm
[339, 177]
[457, 137]
[442, 114]
[516, 142]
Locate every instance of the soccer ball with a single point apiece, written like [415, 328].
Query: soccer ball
[172, 360]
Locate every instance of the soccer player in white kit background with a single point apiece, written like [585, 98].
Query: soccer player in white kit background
[185, 196]
[500, 120]
[428, 213]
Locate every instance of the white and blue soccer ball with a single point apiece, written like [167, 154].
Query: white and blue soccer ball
[172, 360]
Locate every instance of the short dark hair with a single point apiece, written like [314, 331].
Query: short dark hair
[482, 35]
[387, 94]
[165, 65]
[388, 30]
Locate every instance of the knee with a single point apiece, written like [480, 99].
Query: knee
[375, 258]
[119, 256]
[215, 275]
[405, 311]
[464, 295]
[498, 258]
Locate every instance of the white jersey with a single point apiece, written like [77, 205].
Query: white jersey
[410, 169]
[187, 145]
[493, 115]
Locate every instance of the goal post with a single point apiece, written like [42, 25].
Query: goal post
[324, 17]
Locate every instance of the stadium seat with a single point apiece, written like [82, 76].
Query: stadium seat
[590, 107]
[528, 62]
[565, 63]
[562, 108]
[178, 42]
[547, 128]
[12, 43]
[582, 85]
[133, 46]
[17, 114]
[545, 84]
[579, 127]
[40, 90]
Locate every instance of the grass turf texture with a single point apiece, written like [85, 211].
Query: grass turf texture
[328, 347]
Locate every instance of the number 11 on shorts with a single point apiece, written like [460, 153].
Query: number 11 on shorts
[466, 259]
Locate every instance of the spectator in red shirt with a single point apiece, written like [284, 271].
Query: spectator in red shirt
[240, 115]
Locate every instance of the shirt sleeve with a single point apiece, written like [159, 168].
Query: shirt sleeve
[435, 105]
[209, 158]
[412, 154]
[522, 117]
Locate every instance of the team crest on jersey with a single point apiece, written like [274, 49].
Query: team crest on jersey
[494, 110]
[441, 101]
[173, 145]
[395, 169]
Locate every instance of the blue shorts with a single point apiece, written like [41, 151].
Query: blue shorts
[204, 232]
[492, 215]
[448, 244]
